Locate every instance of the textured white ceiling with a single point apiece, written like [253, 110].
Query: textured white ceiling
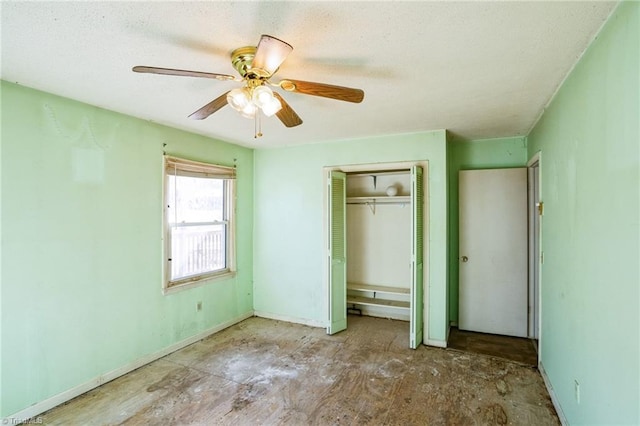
[479, 69]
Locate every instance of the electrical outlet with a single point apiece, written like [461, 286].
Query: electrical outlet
[198, 306]
[577, 388]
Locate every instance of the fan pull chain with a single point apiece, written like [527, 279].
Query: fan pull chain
[257, 126]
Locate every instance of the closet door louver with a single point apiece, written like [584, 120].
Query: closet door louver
[417, 257]
[337, 252]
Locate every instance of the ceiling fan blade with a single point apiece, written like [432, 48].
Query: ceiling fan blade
[325, 90]
[286, 114]
[210, 108]
[270, 54]
[184, 73]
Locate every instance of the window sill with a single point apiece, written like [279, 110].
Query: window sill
[179, 286]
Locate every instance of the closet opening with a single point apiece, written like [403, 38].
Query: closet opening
[375, 244]
[378, 210]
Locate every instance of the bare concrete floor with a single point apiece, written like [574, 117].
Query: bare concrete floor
[265, 372]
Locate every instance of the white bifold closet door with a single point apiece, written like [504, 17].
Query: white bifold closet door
[337, 252]
[417, 258]
[493, 251]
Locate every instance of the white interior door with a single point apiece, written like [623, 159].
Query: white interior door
[336, 252]
[417, 258]
[493, 251]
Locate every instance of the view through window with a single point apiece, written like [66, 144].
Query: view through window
[199, 207]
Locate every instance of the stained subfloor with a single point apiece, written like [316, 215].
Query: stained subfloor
[266, 372]
[513, 348]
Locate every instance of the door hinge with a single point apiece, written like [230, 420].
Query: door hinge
[540, 208]
[541, 257]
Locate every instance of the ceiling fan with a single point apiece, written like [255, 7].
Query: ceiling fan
[256, 66]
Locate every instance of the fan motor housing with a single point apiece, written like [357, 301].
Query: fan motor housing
[242, 58]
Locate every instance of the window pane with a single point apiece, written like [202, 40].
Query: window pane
[192, 199]
[197, 249]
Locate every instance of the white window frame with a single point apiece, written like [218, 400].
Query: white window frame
[182, 167]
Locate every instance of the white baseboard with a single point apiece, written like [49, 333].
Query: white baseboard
[42, 406]
[552, 394]
[286, 318]
[436, 343]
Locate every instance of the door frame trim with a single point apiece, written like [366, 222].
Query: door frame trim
[535, 258]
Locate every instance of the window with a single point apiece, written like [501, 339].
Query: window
[199, 213]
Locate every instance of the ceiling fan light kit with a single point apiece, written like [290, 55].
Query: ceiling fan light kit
[256, 65]
[264, 99]
[249, 99]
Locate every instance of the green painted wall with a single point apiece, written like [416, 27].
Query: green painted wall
[472, 155]
[81, 244]
[288, 225]
[1, 315]
[590, 138]
[80, 216]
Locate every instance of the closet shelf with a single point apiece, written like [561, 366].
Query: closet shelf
[371, 301]
[375, 300]
[378, 288]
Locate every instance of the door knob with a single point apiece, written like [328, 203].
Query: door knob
[465, 259]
